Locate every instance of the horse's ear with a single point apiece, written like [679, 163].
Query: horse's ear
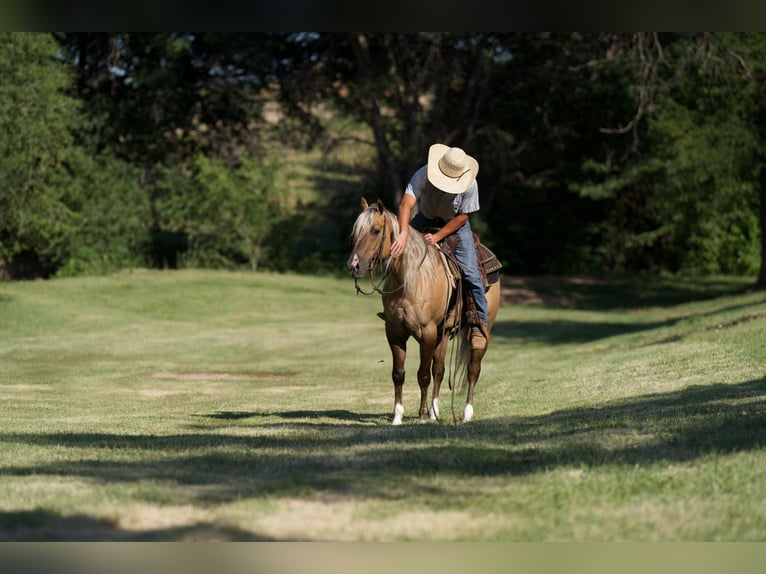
[381, 207]
[364, 204]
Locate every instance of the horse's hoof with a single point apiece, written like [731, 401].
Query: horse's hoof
[468, 413]
[398, 414]
[433, 412]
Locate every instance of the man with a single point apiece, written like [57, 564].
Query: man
[446, 193]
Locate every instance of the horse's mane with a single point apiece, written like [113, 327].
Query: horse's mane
[420, 261]
[363, 223]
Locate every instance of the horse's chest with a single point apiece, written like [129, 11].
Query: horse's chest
[398, 316]
[404, 316]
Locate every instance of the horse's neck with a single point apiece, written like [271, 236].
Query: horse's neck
[411, 262]
[395, 272]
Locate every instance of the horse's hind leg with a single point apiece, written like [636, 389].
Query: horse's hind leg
[477, 355]
[474, 370]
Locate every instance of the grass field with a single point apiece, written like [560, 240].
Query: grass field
[233, 406]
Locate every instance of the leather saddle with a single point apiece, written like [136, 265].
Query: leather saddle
[462, 303]
[489, 264]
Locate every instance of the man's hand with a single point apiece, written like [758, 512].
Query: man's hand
[398, 246]
[405, 211]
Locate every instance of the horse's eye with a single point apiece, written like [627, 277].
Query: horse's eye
[375, 232]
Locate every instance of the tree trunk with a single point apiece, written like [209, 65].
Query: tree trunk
[369, 103]
[761, 281]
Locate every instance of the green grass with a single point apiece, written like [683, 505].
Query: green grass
[233, 406]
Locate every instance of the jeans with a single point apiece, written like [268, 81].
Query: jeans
[465, 253]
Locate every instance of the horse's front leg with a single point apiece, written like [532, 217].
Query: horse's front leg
[437, 371]
[427, 348]
[399, 354]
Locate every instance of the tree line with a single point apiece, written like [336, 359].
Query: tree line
[599, 152]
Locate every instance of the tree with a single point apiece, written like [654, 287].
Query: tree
[226, 213]
[410, 89]
[686, 197]
[753, 68]
[36, 119]
[161, 101]
[598, 151]
[110, 214]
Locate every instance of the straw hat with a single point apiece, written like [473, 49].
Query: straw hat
[450, 169]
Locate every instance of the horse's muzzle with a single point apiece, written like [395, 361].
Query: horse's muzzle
[355, 268]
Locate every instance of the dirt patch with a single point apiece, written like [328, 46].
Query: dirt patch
[159, 394]
[24, 387]
[220, 376]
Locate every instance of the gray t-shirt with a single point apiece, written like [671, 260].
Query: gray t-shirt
[434, 203]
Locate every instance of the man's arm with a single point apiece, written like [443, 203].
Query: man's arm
[405, 212]
[450, 227]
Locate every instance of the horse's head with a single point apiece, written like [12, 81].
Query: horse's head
[373, 233]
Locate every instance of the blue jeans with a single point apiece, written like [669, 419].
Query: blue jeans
[465, 253]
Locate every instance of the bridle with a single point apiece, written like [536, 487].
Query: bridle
[376, 260]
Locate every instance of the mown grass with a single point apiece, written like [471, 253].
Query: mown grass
[232, 406]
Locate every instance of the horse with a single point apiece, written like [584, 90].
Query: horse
[416, 293]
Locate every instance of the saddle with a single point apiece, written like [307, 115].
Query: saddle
[462, 303]
[489, 264]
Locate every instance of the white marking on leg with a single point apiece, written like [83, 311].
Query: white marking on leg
[468, 413]
[398, 413]
[433, 412]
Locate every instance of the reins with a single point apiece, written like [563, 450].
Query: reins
[375, 288]
[374, 262]
[453, 361]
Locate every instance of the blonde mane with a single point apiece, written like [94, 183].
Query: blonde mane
[420, 261]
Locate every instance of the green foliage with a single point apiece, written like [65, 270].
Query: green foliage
[707, 199]
[600, 152]
[36, 118]
[111, 215]
[227, 213]
[688, 200]
[63, 209]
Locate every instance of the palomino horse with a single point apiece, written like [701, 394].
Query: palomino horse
[416, 293]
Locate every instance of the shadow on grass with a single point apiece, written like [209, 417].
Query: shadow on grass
[335, 414]
[44, 525]
[623, 293]
[315, 453]
[568, 331]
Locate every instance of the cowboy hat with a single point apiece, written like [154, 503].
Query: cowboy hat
[450, 169]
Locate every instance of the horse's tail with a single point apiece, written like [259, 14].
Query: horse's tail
[459, 357]
[463, 351]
